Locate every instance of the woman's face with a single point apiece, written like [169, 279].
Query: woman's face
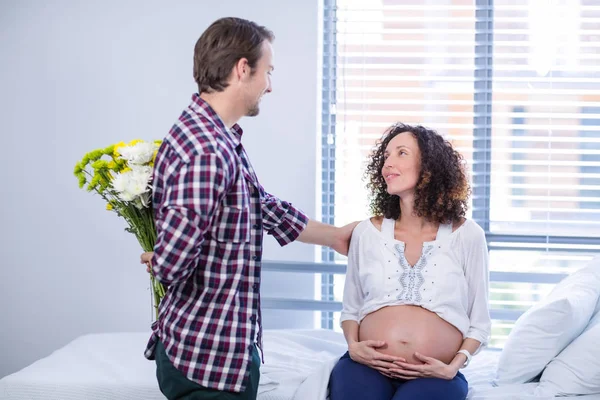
[402, 165]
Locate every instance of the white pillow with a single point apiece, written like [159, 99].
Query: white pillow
[576, 370]
[544, 330]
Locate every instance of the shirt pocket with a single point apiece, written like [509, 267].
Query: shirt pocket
[233, 220]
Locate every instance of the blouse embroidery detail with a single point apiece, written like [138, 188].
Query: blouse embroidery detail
[411, 278]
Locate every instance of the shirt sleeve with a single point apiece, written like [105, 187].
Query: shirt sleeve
[477, 275]
[281, 220]
[353, 295]
[190, 201]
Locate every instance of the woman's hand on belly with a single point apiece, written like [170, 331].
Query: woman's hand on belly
[431, 368]
[365, 353]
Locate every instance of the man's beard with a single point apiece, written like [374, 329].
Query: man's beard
[253, 110]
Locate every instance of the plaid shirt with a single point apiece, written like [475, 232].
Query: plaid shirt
[210, 213]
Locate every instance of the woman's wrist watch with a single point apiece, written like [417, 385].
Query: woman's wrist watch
[467, 354]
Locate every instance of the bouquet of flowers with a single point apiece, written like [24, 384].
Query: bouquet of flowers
[121, 174]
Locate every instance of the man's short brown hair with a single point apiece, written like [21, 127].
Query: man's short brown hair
[221, 46]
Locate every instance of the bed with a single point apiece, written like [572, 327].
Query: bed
[112, 366]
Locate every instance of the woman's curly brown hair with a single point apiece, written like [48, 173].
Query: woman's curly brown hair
[442, 190]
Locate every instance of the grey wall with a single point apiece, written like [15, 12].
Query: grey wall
[81, 75]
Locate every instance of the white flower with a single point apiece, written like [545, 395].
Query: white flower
[134, 184]
[126, 196]
[141, 171]
[120, 182]
[138, 154]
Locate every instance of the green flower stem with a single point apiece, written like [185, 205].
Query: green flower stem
[140, 222]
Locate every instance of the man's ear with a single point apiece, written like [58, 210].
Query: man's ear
[242, 69]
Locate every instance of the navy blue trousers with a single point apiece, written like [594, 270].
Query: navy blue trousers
[350, 380]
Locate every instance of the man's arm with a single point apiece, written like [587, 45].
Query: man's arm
[287, 223]
[191, 200]
[328, 235]
[281, 219]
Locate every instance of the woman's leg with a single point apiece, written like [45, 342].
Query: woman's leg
[433, 389]
[351, 381]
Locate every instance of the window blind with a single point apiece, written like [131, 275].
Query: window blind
[514, 85]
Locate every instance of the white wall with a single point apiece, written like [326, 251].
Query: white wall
[81, 75]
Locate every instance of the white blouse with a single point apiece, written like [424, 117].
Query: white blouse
[450, 279]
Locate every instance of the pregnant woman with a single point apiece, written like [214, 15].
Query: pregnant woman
[416, 292]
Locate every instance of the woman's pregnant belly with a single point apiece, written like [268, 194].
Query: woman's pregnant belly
[409, 329]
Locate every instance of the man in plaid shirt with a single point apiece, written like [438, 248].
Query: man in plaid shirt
[211, 212]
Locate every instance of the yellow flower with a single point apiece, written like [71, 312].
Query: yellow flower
[99, 165]
[77, 170]
[117, 164]
[82, 181]
[96, 173]
[116, 148]
[109, 206]
[95, 154]
[94, 182]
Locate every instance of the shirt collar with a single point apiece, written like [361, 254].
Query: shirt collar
[201, 107]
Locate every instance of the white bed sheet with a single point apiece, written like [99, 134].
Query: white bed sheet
[111, 366]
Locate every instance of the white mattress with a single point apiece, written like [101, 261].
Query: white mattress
[112, 366]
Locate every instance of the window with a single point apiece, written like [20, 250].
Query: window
[514, 85]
